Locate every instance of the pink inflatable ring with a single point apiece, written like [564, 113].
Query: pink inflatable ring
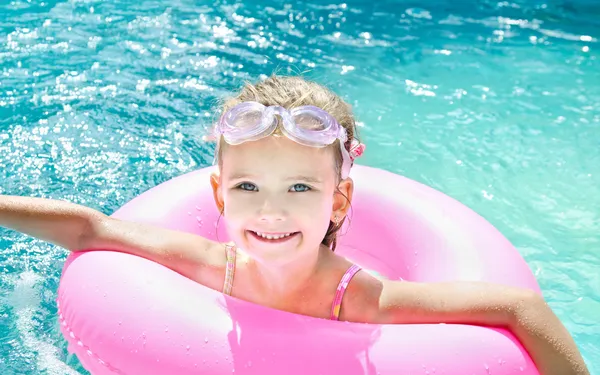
[122, 314]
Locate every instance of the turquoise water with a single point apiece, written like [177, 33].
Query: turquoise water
[494, 103]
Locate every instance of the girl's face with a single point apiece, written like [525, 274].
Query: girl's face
[278, 196]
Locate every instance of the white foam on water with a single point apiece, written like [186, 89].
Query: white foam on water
[25, 299]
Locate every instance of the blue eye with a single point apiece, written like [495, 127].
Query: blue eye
[299, 188]
[247, 186]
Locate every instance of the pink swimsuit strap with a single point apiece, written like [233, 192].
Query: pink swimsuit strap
[229, 269]
[341, 289]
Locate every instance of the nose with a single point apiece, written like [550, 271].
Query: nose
[272, 210]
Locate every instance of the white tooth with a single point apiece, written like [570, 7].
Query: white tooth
[273, 237]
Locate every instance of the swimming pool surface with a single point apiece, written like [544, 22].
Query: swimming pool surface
[496, 103]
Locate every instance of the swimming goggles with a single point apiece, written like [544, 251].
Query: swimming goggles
[307, 125]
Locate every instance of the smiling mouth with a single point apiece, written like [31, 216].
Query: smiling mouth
[273, 237]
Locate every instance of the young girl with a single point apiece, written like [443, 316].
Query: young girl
[284, 150]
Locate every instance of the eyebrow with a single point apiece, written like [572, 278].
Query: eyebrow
[313, 180]
[310, 179]
[241, 176]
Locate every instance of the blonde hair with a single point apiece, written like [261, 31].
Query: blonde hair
[291, 92]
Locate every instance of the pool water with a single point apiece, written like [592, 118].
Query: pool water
[495, 103]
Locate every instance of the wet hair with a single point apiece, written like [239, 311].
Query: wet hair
[290, 92]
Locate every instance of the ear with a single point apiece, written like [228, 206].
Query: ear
[215, 182]
[342, 198]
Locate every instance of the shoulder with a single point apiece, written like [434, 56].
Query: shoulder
[361, 300]
[373, 299]
[202, 260]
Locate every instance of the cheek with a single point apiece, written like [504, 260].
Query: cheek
[234, 216]
[311, 204]
[236, 207]
[317, 213]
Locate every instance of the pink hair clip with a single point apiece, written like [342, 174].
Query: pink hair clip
[356, 149]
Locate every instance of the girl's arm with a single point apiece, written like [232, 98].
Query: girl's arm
[522, 311]
[61, 223]
[75, 228]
